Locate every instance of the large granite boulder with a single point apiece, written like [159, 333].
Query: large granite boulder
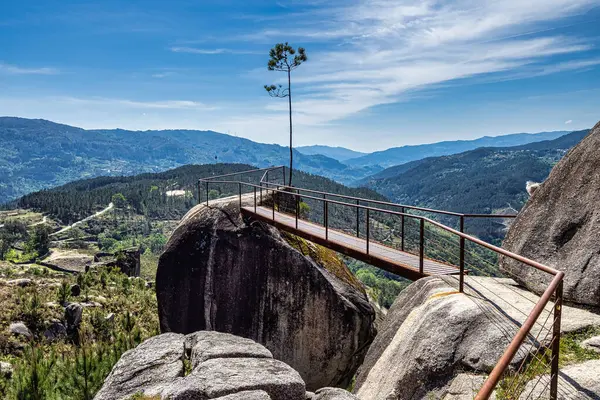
[559, 226]
[147, 369]
[223, 272]
[431, 333]
[223, 367]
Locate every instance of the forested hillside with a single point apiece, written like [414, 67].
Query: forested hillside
[155, 194]
[38, 154]
[477, 181]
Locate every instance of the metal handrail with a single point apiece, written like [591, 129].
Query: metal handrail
[210, 178]
[554, 288]
[416, 208]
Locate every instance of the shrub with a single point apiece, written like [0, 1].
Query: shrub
[63, 293]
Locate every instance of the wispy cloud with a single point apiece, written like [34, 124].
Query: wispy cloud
[569, 122]
[167, 104]
[16, 70]
[195, 50]
[382, 50]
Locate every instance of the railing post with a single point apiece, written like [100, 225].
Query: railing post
[240, 190]
[274, 195]
[422, 247]
[207, 193]
[461, 284]
[283, 169]
[261, 200]
[326, 220]
[255, 199]
[556, 341]
[368, 231]
[297, 209]
[199, 193]
[402, 210]
[357, 218]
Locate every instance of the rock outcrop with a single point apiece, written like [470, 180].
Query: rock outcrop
[431, 333]
[224, 367]
[592, 344]
[222, 272]
[559, 226]
[147, 369]
[578, 381]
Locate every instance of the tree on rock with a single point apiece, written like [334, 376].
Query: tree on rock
[283, 58]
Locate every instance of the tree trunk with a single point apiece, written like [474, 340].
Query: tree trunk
[290, 102]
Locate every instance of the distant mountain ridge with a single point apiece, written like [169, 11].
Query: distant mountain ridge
[38, 154]
[402, 155]
[478, 181]
[337, 153]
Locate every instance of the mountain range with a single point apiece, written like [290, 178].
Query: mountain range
[402, 155]
[483, 180]
[37, 154]
[338, 153]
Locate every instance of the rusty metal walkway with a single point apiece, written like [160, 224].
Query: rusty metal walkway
[392, 260]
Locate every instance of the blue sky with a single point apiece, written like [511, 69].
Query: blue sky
[381, 73]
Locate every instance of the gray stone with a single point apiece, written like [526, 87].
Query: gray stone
[309, 396]
[247, 395]
[90, 304]
[575, 382]
[592, 344]
[75, 290]
[559, 227]
[55, 331]
[226, 376]
[207, 345]
[223, 273]
[463, 387]
[516, 303]
[23, 282]
[333, 394]
[436, 332]
[19, 329]
[73, 315]
[147, 369]
[6, 369]
[110, 317]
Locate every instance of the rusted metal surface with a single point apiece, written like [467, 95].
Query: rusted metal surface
[556, 341]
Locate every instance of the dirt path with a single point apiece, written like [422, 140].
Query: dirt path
[99, 213]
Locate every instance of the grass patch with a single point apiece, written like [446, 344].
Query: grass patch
[571, 352]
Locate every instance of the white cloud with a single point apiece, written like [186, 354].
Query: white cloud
[388, 49]
[167, 104]
[16, 70]
[569, 122]
[194, 50]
